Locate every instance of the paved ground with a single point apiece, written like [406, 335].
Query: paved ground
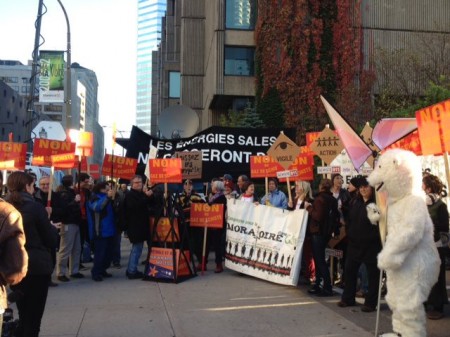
[227, 304]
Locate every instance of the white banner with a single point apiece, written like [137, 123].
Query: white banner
[264, 241]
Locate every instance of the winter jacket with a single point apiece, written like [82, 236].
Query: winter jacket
[137, 215]
[13, 256]
[318, 211]
[71, 208]
[41, 236]
[364, 241]
[100, 216]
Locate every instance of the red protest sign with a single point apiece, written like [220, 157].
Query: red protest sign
[204, 215]
[165, 170]
[94, 171]
[44, 149]
[263, 166]
[163, 230]
[84, 163]
[63, 161]
[410, 143]
[12, 156]
[432, 123]
[122, 167]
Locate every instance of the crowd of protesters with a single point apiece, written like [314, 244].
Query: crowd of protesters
[83, 222]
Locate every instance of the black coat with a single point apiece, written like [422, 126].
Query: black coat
[364, 241]
[40, 236]
[137, 215]
[71, 209]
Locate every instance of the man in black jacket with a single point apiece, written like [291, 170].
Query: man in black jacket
[137, 219]
[70, 245]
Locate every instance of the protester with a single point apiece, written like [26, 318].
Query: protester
[119, 219]
[435, 191]
[216, 237]
[303, 194]
[83, 188]
[137, 218]
[41, 196]
[240, 182]
[102, 228]
[275, 198]
[14, 258]
[70, 244]
[364, 244]
[318, 212]
[230, 191]
[31, 292]
[249, 192]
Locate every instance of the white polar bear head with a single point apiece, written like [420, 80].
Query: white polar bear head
[399, 173]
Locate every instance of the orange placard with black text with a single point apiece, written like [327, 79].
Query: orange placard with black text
[12, 156]
[119, 167]
[204, 215]
[165, 170]
[45, 149]
[163, 233]
[263, 166]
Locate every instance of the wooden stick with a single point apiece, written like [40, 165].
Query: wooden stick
[289, 189]
[204, 249]
[267, 190]
[50, 186]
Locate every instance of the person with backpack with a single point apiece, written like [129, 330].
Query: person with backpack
[364, 244]
[324, 221]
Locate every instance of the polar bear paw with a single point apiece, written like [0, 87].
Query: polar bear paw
[373, 213]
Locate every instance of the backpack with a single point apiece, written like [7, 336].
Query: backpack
[331, 223]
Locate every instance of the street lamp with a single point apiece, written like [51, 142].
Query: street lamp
[68, 91]
[43, 133]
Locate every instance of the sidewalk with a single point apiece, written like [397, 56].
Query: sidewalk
[227, 304]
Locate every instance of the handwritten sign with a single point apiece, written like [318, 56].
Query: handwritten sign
[191, 164]
[204, 215]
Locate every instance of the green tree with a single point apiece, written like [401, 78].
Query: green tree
[248, 118]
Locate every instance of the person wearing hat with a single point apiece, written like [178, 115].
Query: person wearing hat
[275, 198]
[364, 244]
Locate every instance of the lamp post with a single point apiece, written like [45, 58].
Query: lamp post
[68, 91]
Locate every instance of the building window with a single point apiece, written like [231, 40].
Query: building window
[53, 108]
[239, 61]
[240, 14]
[174, 84]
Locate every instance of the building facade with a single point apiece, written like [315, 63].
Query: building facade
[12, 113]
[85, 108]
[150, 13]
[206, 58]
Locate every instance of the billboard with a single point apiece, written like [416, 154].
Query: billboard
[51, 76]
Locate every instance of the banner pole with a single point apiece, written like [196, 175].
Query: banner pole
[447, 169]
[50, 187]
[204, 249]
[289, 189]
[267, 189]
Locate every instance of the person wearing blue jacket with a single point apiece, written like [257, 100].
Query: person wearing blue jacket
[102, 228]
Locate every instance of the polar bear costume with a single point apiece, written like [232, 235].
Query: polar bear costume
[409, 255]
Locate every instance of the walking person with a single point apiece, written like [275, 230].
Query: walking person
[137, 219]
[70, 244]
[364, 244]
[31, 292]
[102, 228]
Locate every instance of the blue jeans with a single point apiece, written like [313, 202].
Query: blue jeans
[102, 255]
[135, 255]
[319, 244]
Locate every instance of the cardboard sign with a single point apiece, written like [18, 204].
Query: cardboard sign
[44, 149]
[191, 164]
[13, 155]
[327, 146]
[366, 136]
[165, 171]
[163, 233]
[124, 168]
[204, 215]
[263, 166]
[433, 125]
[161, 263]
[284, 151]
